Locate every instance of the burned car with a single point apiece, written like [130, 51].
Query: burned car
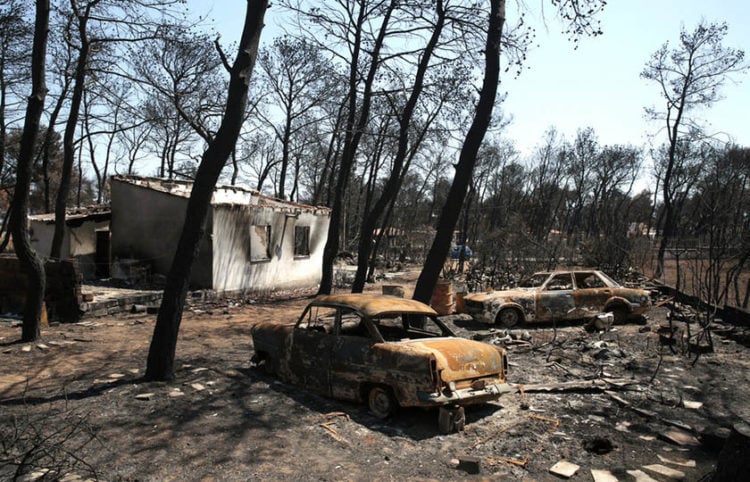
[556, 296]
[386, 351]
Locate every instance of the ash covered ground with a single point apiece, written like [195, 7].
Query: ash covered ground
[74, 405]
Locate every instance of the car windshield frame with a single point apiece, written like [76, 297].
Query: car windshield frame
[339, 311]
[527, 282]
[612, 283]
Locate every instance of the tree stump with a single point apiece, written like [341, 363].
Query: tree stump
[734, 459]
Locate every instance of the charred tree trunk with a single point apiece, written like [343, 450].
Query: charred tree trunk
[70, 128]
[393, 184]
[354, 130]
[49, 135]
[465, 230]
[161, 354]
[734, 459]
[30, 262]
[465, 168]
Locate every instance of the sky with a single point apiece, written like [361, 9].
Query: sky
[597, 85]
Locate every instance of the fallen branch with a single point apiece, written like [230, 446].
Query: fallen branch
[332, 415]
[517, 462]
[553, 421]
[579, 385]
[495, 433]
[334, 434]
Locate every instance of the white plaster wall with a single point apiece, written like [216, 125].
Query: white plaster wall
[82, 239]
[232, 268]
[146, 225]
[78, 242]
[41, 238]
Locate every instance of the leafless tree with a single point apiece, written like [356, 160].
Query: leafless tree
[689, 76]
[98, 24]
[160, 365]
[301, 80]
[16, 33]
[30, 262]
[465, 167]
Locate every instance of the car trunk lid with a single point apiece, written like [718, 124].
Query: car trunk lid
[459, 359]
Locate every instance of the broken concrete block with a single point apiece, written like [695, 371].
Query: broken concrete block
[641, 476]
[26, 348]
[665, 471]
[34, 476]
[692, 405]
[603, 476]
[681, 463]
[564, 469]
[678, 437]
[645, 413]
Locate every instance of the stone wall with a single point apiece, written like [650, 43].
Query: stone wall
[63, 294]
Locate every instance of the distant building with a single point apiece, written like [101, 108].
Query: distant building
[253, 243]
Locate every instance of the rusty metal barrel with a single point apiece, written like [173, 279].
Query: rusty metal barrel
[442, 297]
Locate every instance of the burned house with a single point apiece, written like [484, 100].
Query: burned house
[253, 242]
[85, 238]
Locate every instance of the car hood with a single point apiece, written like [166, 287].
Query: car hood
[460, 359]
[494, 295]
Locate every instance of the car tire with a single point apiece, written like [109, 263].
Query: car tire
[451, 420]
[381, 402]
[264, 362]
[508, 317]
[620, 314]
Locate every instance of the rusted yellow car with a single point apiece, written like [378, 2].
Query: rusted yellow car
[558, 295]
[388, 351]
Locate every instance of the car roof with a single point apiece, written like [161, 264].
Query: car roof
[373, 305]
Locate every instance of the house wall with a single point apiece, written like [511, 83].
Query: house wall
[79, 242]
[146, 225]
[233, 269]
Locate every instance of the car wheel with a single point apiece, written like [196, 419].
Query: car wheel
[508, 317]
[620, 314]
[381, 402]
[263, 362]
[269, 366]
[451, 419]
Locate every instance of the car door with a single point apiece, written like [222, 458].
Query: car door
[350, 358]
[591, 293]
[555, 298]
[311, 344]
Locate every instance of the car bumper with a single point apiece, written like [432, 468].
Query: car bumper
[479, 315]
[465, 396]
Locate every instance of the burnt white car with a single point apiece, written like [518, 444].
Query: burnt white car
[383, 350]
[557, 296]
